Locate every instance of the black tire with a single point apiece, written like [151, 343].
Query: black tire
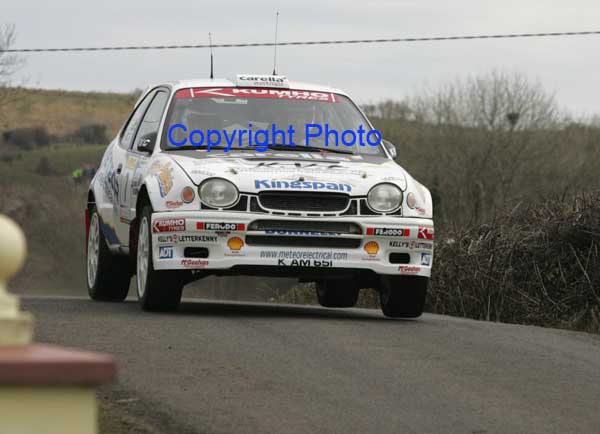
[161, 291]
[110, 281]
[403, 296]
[337, 293]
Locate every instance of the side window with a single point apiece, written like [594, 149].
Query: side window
[134, 122]
[151, 121]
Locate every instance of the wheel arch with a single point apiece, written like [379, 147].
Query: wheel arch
[143, 199]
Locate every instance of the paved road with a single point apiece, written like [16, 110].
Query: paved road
[260, 368]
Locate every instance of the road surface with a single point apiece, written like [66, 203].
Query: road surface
[219, 367]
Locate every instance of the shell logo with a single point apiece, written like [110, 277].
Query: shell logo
[372, 248]
[235, 243]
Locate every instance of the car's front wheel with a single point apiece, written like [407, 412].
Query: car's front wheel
[337, 293]
[157, 290]
[108, 275]
[403, 296]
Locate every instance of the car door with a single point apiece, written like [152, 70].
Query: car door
[137, 160]
[118, 159]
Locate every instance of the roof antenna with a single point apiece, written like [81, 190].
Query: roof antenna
[275, 52]
[211, 56]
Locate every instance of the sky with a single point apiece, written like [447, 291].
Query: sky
[567, 67]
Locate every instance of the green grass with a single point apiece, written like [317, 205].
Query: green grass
[62, 112]
[50, 210]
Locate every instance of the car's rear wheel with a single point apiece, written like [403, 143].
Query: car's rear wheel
[403, 296]
[108, 275]
[157, 290]
[337, 293]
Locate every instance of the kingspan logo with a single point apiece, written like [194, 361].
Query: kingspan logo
[266, 184]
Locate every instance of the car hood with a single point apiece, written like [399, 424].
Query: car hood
[307, 171]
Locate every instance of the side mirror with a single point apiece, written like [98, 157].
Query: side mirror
[391, 149]
[146, 143]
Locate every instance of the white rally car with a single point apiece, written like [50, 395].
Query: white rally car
[345, 217]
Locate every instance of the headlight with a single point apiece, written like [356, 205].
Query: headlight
[385, 198]
[218, 193]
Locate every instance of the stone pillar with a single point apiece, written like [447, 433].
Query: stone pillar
[43, 389]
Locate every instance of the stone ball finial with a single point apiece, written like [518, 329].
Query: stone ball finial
[13, 249]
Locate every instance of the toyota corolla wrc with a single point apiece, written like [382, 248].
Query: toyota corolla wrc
[170, 209]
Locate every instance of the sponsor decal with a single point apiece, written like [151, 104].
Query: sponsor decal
[131, 163]
[202, 172]
[167, 238]
[235, 244]
[172, 204]
[302, 233]
[389, 232]
[196, 238]
[244, 93]
[168, 225]
[262, 80]
[194, 263]
[372, 248]
[420, 211]
[411, 245]
[210, 226]
[426, 259]
[163, 173]
[409, 269]
[165, 252]
[266, 184]
[426, 233]
[303, 254]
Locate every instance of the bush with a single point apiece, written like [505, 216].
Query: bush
[92, 134]
[27, 138]
[537, 264]
[43, 168]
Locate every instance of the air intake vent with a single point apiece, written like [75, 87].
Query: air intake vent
[303, 201]
[265, 240]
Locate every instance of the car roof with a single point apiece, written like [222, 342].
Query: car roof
[224, 82]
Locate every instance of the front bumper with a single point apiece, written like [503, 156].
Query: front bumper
[384, 245]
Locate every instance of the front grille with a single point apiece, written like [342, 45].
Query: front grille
[305, 225]
[303, 201]
[265, 240]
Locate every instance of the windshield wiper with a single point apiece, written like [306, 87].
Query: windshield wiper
[275, 147]
[300, 148]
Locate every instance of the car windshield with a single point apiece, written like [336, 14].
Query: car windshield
[252, 109]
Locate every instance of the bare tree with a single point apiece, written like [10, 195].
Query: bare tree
[9, 65]
[483, 140]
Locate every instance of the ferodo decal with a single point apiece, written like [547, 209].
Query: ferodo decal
[209, 226]
[163, 173]
[389, 232]
[266, 184]
[240, 92]
[426, 233]
[168, 225]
